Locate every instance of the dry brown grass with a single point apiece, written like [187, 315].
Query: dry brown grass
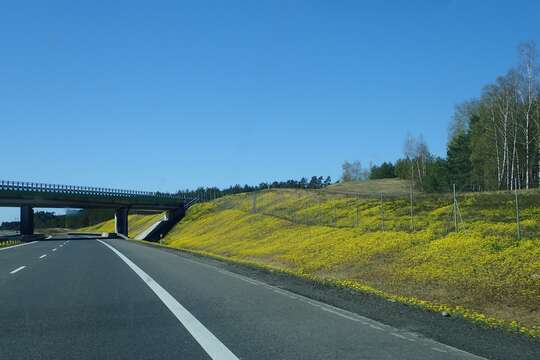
[368, 188]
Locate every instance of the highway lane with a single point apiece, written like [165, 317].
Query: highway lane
[24, 254]
[27, 255]
[81, 302]
[117, 299]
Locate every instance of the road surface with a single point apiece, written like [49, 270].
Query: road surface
[114, 299]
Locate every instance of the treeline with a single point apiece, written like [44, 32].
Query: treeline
[496, 138]
[209, 193]
[71, 220]
[86, 217]
[42, 219]
[493, 142]
[355, 172]
[384, 171]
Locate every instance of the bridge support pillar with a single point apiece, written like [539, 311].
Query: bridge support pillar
[175, 215]
[121, 221]
[27, 220]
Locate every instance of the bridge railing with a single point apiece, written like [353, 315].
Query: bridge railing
[82, 190]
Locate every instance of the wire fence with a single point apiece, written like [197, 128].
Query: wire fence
[514, 214]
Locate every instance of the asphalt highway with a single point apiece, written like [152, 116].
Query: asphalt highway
[82, 298]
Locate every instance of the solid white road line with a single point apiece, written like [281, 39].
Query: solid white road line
[208, 341]
[399, 336]
[42, 256]
[340, 312]
[17, 270]
[14, 246]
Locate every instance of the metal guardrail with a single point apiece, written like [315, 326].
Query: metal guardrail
[190, 202]
[82, 190]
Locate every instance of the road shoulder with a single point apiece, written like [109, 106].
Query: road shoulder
[453, 331]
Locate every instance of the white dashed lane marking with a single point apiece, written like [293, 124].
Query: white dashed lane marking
[17, 270]
[42, 256]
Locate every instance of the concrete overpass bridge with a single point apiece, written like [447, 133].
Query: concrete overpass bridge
[28, 195]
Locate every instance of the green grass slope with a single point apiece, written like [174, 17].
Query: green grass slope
[482, 272]
[5, 243]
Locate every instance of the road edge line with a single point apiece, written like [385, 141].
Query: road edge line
[14, 246]
[208, 341]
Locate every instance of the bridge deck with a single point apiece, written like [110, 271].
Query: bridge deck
[16, 193]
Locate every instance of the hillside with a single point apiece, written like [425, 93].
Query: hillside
[482, 272]
[390, 187]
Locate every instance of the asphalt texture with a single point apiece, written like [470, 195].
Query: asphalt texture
[86, 300]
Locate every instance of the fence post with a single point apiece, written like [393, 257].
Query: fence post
[455, 210]
[518, 227]
[412, 213]
[335, 214]
[318, 211]
[382, 212]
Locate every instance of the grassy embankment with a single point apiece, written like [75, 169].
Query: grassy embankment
[482, 272]
[4, 243]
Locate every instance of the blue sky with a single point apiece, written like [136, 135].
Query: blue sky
[168, 95]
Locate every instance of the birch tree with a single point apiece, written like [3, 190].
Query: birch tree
[528, 96]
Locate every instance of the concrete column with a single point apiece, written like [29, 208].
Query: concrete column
[121, 221]
[27, 220]
[175, 215]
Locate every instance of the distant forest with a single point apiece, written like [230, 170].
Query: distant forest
[493, 142]
[72, 219]
[208, 193]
